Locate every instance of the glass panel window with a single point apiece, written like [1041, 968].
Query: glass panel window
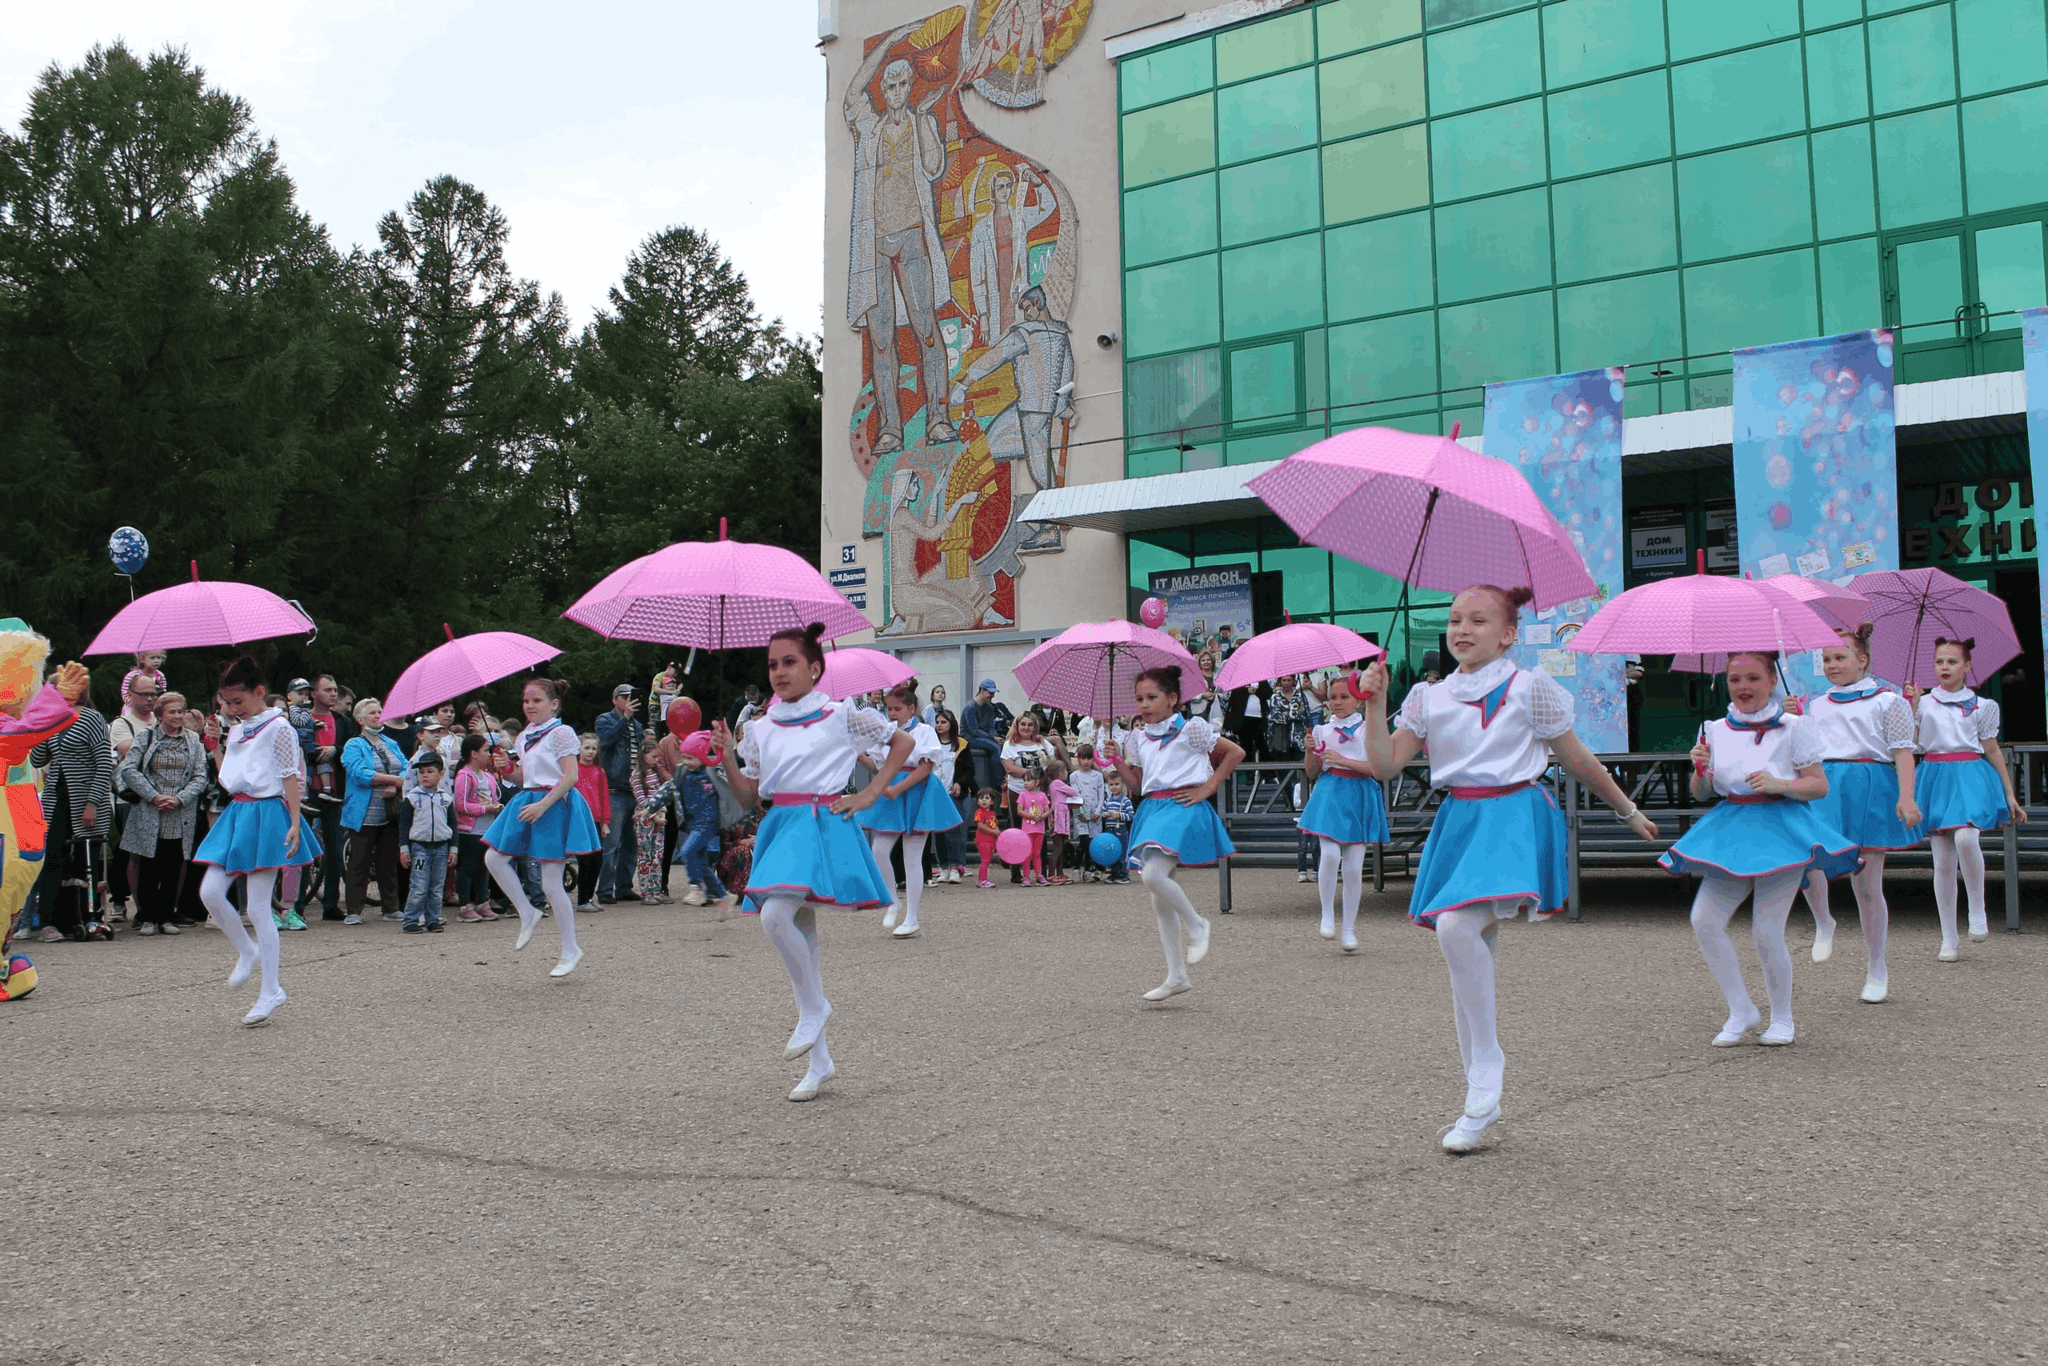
[1848, 286]
[1616, 223]
[1174, 219]
[1441, 12]
[1348, 25]
[2004, 136]
[1586, 40]
[1375, 89]
[1171, 307]
[1750, 302]
[1170, 140]
[1822, 13]
[1384, 366]
[1489, 150]
[1148, 559]
[1698, 28]
[2009, 270]
[1383, 173]
[1167, 74]
[1930, 283]
[1918, 179]
[1259, 118]
[1747, 199]
[1273, 287]
[1496, 340]
[1379, 267]
[1305, 571]
[1836, 83]
[1256, 49]
[1480, 64]
[1599, 127]
[1844, 191]
[1493, 246]
[2000, 43]
[1271, 198]
[1912, 59]
[1618, 322]
[1175, 399]
[1738, 98]
[1262, 384]
[1273, 446]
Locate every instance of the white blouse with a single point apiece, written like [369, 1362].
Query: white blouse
[542, 748]
[1956, 722]
[809, 747]
[1487, 728]
[1865, 720]
[1341, 740]
[1173, 754]
[258, 755]
[1780, 750]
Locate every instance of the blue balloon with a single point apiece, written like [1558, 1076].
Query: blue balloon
[1106, 850]
[128, 549]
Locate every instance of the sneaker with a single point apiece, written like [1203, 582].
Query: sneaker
[52, 935]
[146, 928]
[694, 897]
[292, 921]
[168, 928]
[351, 919]
[586, 906]
[954, 874]
[485, 913]
[394, 915]
[277, 920]
[984, 883]
[433, 927]
[412, 929]
[468, 915]
[1304, 877]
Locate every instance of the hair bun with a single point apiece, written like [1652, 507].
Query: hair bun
[815, 631]
[1521, 595]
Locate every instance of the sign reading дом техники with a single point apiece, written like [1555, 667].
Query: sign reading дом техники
[1948, 524]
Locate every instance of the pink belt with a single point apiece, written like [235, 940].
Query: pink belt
[1347, 773]
[804, 799]
[1953, 756]
[1163, 792]
[1859, 761]
[1753, 798]
[1480, 794]
[245, 797]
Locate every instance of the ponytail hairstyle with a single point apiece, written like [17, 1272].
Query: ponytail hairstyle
[1512, 600]
[905, 693]
[1166, 676]
[1968, 647]
[806, 642]
[1859, 640]
[242, 672]
[553, 689]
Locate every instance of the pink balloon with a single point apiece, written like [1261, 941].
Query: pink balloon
[1013, 846]
[1153, 612]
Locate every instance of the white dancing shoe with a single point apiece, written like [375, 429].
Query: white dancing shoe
[807, 1089]
[1980, 928]
[243, 967]
[1737, 1028]
[1875, 989]
[908, 930]
[567, 965]
[806, 1036]
[1328, 929]
[1481, 1101]
[1949, 953]
[1823, 945]
[529, 921]
[1198, 942]
[260, 1013]
[889, 917]
[1777, 1036]
[1463, 1136]
[1349, 943]
[1170, 987]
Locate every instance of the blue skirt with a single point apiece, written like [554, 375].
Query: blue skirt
[1755, 839]
[1953, 795]
[1346, 809]
[249, 838]
[1493, 849]
[807, 852]
[1862, 803]
[926, 808]
[563, 831]
[1193, 834]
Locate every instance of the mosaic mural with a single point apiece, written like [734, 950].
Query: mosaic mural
[963, 255]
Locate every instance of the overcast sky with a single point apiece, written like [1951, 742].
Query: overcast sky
[590, 125]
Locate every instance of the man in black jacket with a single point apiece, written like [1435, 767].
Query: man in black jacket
[986, 727]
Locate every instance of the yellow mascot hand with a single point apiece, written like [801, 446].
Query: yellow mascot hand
[71, 681]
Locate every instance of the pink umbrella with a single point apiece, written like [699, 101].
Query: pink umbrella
[1295, 648]
[1911, 608]
[1835, 605]
[1703, 614]
[854, 670]
[197, 614]
[714, 595]
[463, 665]
[1425, 509]
[1091, 668]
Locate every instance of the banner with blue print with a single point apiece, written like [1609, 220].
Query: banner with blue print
[2034, 335]
[1564, 433]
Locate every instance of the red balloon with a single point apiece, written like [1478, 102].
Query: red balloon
[683, 716]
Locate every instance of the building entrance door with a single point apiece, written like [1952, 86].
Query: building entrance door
[1956, 291]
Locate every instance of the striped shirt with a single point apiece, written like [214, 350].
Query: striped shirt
[81, 758]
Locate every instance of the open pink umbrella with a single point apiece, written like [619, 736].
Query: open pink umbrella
[1296, 648]
[714, 595]
[1426, 510]
[197, 614]
[1091, 668]
[1836, 605]
[1703, 614]
[855, 670]
[1911, 608]
[463, 665]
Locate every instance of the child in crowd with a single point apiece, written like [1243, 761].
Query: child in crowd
[150, 665]
[650, 809]
[1034, 809]
[476, 802]
[1117, 813]
[429, 832]
[697, 817]
[1086, 780]
[597, 795]
[1063, 797]
[987, 826]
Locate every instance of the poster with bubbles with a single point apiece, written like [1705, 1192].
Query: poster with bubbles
[2034, 325]
[1816, 464]
[1564, 433]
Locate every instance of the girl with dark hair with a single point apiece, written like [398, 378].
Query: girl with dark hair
[1497, 845]
[1963, 787]
[548, 822]
[476, 800]
[808, 851]
[259, 833]
[1346, 809]
[912, 808]
[949, 862]
[1175, 765]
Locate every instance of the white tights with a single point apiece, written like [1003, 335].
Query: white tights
[1868, 884]
[881, 841]
[213, 890]
[506, 874]
[1950, 848]
[792, 927]
[1715, 905]
[1466, 936]
[1350, 859]
[1177, 917]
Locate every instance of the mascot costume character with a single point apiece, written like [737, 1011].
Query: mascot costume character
[29, 714]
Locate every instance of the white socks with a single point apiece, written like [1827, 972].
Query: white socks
[506, 874]
[792, 927]
[1176, 913]
[881, 842]
[1714, 906]
[1466, 936]
[1868, 883]
[213, 891]
[1817, 902]
[1349, 861]
[1950, 848]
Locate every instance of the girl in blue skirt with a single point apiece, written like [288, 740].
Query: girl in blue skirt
[808, 852]
[1963, 786]
[1175, 764]
[258, 835]
[548, 821]
[1346, 809]
[1497, 845]
[913, 807]
[1864, 732]
[1758, 842]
